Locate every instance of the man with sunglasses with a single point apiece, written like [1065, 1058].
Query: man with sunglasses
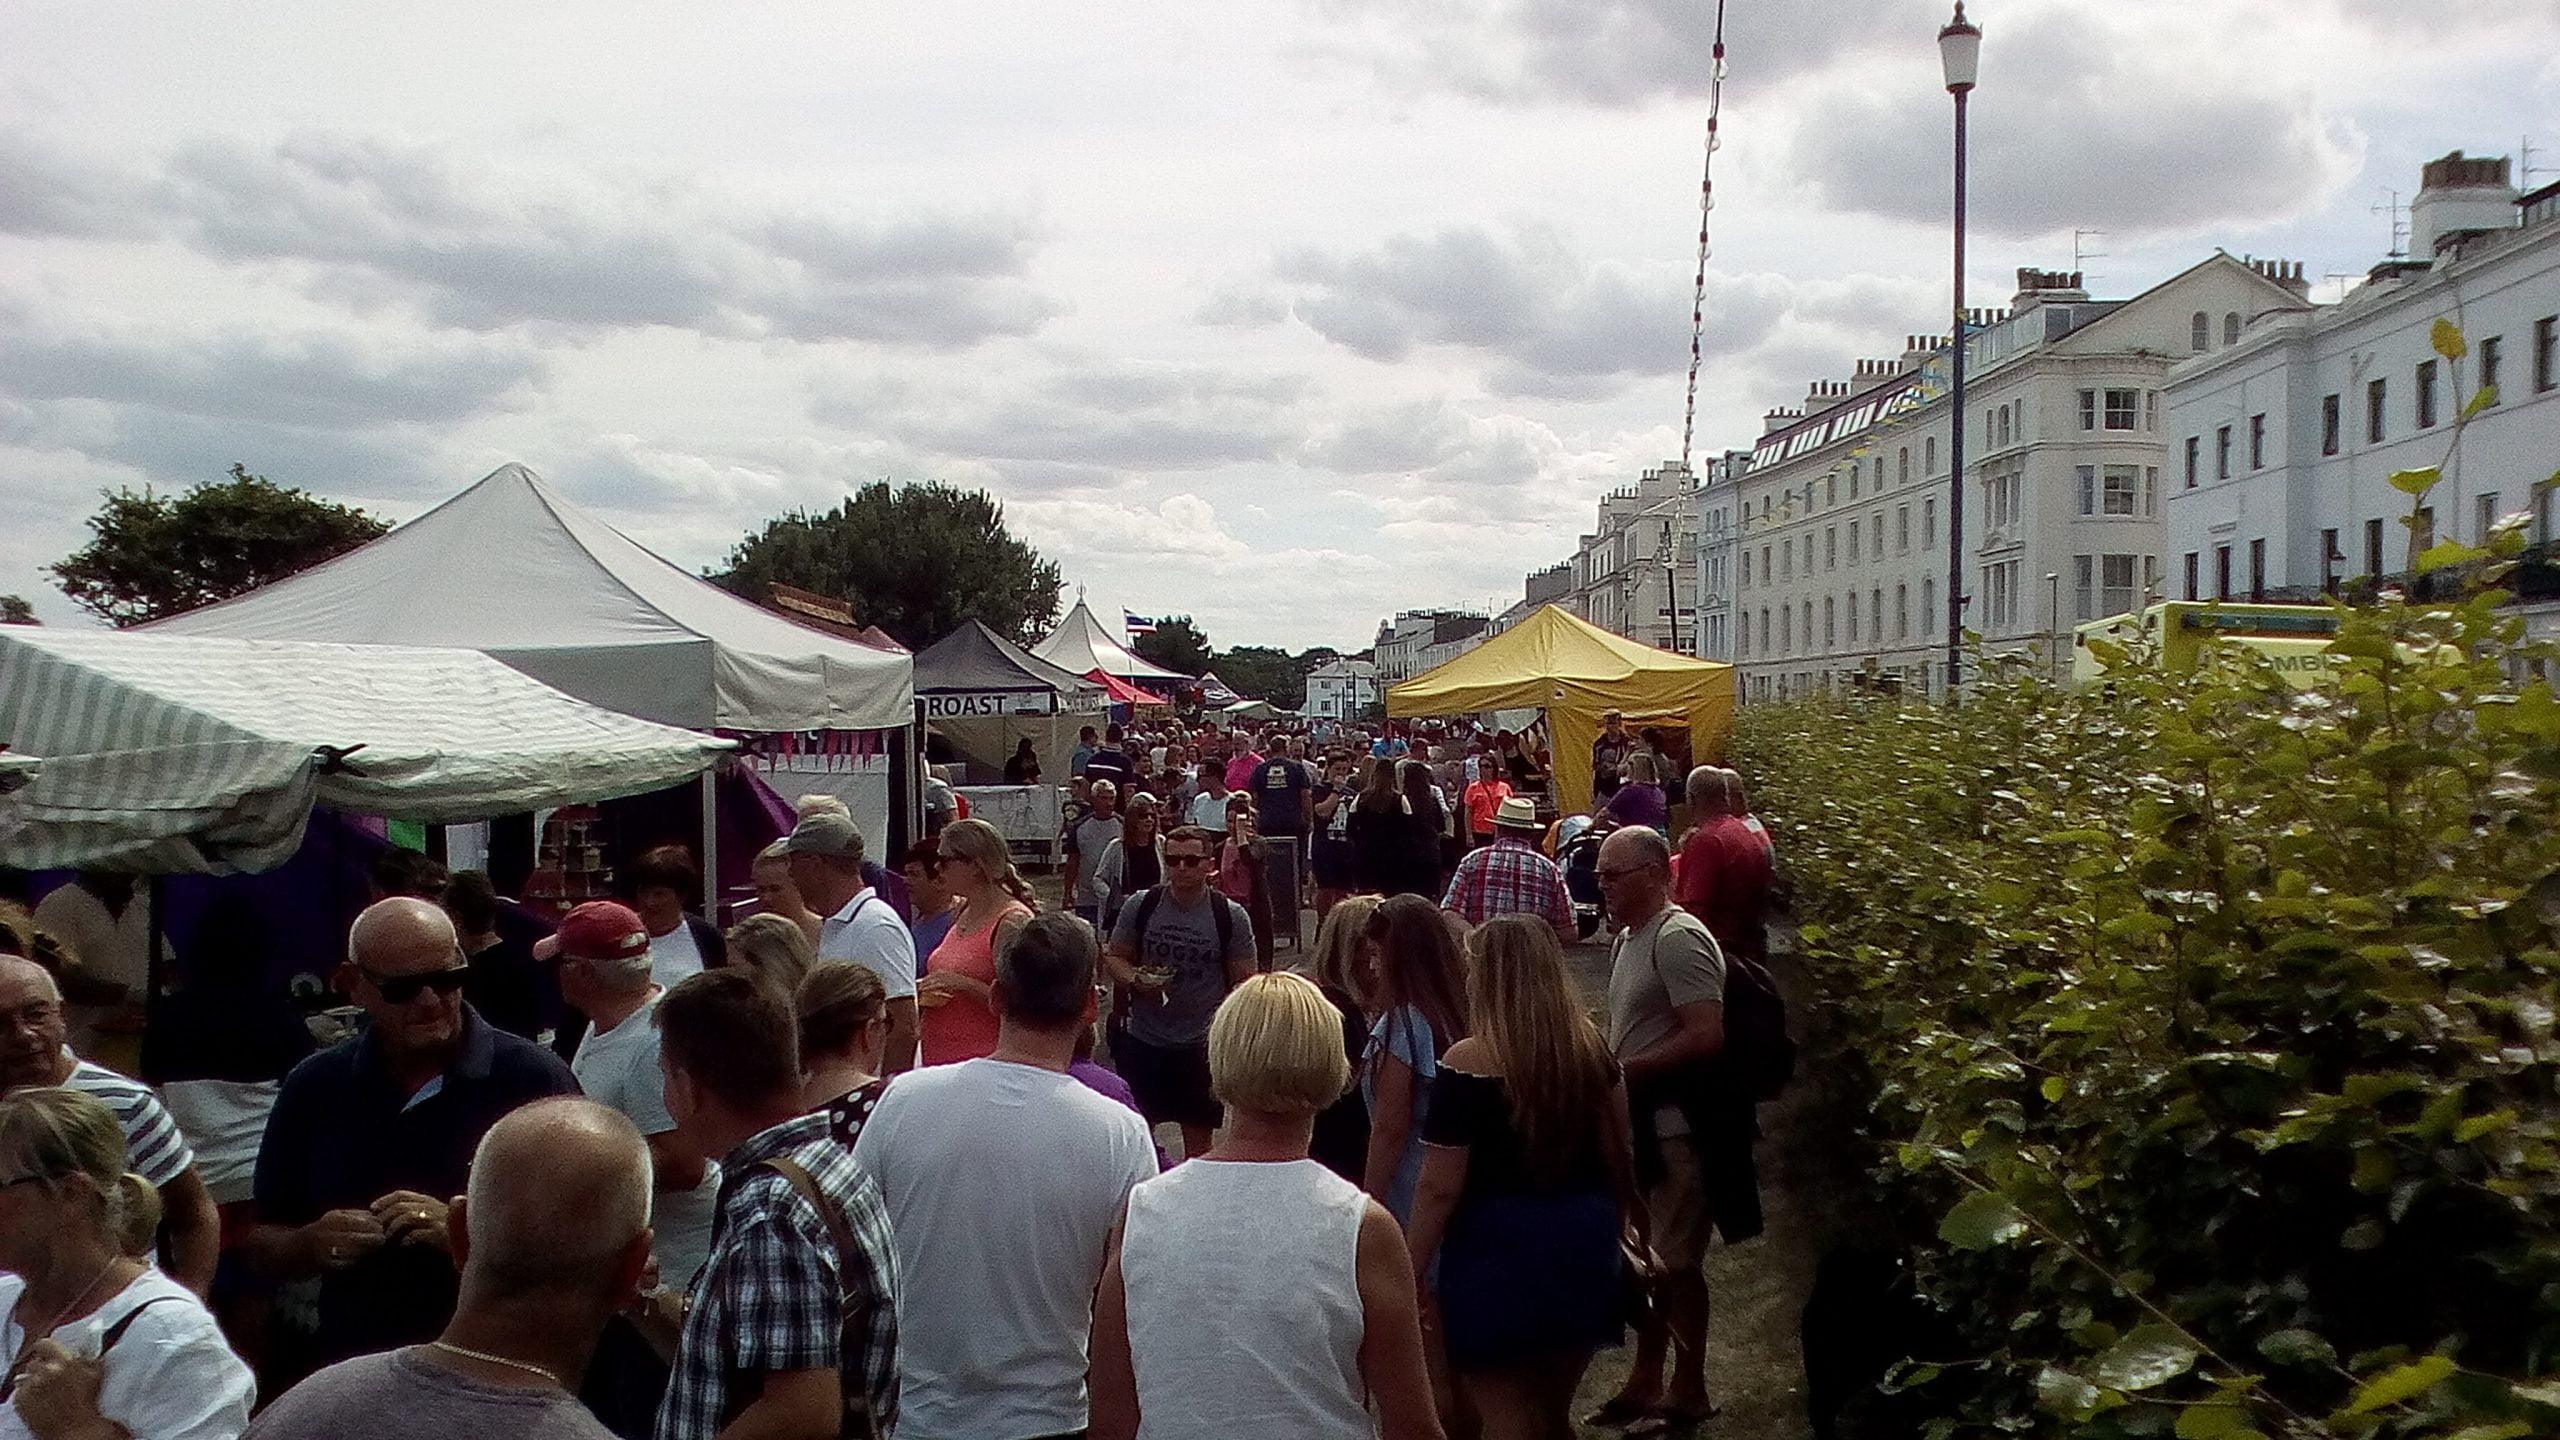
[1175, 954]
[371, 1136]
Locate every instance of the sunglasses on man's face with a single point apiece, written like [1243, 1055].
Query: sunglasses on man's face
[1186, 860]
[401, 989]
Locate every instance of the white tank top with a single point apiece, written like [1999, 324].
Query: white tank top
[1244, 1302]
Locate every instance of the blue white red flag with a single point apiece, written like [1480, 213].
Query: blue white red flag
[1137, 624]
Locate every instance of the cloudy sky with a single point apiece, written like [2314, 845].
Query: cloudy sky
[1285, 315]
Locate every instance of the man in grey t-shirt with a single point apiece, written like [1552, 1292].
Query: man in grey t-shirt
[553, 1238]
[1666, 1015]
[1086, 840]
[1170, 958]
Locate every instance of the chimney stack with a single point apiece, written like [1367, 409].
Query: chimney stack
[2458, 197]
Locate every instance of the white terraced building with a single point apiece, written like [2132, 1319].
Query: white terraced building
[2283, 443]
[1841, 516]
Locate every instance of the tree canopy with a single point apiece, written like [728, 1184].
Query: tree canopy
[916, 560]
[1260, 671]
[14, 610]
[1175, 644]
[151, 555]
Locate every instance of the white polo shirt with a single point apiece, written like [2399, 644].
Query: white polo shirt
[868, 932]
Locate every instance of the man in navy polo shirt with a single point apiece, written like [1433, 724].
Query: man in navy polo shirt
[371, 1137]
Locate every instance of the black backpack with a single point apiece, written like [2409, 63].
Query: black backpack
[1222, 911]
[1759, 1054]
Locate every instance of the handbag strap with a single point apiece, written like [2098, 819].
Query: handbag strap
[841, 1234]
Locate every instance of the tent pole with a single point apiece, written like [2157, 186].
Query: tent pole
[711, 844]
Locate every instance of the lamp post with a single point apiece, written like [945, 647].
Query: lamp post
[1960, 52]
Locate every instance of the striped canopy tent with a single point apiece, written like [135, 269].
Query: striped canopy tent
[166, 754]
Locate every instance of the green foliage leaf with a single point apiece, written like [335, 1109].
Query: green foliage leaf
[2401, 1382]
[2418, 481]
[2064, 1393]
[2481, 399]
[2298, 1347]
[2150, 1355]
[2445, 338]
[2445, 554]
[1982, 1220]
[2212, 1420]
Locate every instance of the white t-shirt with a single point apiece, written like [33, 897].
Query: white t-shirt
[868, 932]
[619, 1067]
[673, 956]
[223, 1121]
[1003, 1182]
[170, 1375]
[1209, 812]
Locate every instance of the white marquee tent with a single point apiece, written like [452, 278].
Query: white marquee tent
[176, 754]
[512, 570]
[1081, 645]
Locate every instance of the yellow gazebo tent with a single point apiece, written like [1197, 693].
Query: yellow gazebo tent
[1574, 670]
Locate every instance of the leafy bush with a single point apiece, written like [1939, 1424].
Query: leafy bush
[2211, 1028]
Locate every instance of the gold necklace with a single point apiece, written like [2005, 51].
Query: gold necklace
[486, 1358]
[60, 1315]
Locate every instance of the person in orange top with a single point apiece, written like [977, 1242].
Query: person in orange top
[1484, 797]
[958, 1020]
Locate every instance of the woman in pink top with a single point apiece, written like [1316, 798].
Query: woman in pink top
[957, 1020]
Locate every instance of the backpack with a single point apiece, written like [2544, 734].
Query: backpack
[1759, 1054]
[1222, 913]
[857, 1422]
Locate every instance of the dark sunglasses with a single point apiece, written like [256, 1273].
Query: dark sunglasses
[1186, 859]
[401, 989]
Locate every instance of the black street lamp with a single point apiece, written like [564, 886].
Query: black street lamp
[1960, 52]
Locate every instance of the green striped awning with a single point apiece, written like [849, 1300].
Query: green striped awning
[172, 753]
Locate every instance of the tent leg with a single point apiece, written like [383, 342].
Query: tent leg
[711, 845]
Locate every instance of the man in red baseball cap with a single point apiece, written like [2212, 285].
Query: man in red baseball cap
[603, 952]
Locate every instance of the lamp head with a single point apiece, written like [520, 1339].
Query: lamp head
[1960, 51]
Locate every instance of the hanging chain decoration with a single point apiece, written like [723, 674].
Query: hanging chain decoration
[1706, 204]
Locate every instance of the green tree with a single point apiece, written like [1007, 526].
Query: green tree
[916, 560]
[1270, 674]
[151, 556]
[14, 610]
[1176, 644]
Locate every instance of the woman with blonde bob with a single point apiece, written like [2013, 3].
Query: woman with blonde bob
[1528, 1187]
[1252, 1291]
[775, 948]
[97, 1342]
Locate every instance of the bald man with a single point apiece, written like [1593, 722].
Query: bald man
[552, 1238]
[34, 1051]
[369, 1135]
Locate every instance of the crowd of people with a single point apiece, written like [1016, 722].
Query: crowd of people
[906, 1152]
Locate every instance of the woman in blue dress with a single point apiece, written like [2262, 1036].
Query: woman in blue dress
[1418, 992]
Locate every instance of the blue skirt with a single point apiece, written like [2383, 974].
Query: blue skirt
[1526, 1275]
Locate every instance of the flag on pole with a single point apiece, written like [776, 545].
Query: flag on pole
[1137, 624]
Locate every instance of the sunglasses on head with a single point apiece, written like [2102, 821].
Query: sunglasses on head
[401, 989]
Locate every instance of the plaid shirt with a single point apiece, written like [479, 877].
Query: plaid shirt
[771, 1297]
[1509, 877]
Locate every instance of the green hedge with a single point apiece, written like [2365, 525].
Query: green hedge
[2210, 1028]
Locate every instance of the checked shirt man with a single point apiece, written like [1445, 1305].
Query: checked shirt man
[793, 1327]
[1512, 876]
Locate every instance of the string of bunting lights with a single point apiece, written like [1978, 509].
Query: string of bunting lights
[1706, 205]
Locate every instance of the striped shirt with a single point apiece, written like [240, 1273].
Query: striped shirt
[153, 1148]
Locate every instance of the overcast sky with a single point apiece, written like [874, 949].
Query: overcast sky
[1284, 315]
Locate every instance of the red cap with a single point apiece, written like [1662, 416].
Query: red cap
[597, 930]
